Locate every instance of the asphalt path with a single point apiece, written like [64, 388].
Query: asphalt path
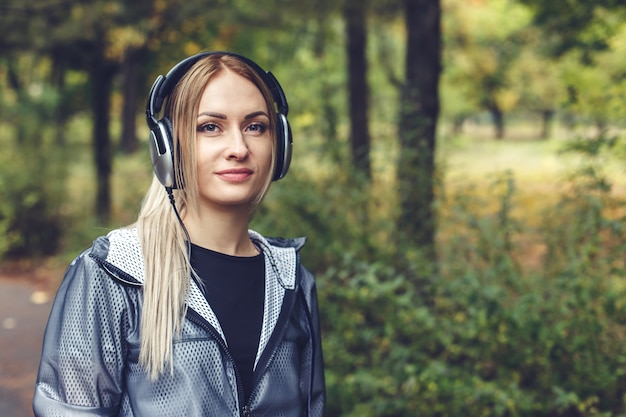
[24, 312]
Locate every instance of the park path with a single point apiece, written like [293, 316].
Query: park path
[24, 309]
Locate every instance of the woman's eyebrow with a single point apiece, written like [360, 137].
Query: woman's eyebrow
[211, 114]
[224, 117]
[255, 114]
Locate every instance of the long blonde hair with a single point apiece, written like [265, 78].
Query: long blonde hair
[163, 241]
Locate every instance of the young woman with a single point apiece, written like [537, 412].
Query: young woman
[188, 312]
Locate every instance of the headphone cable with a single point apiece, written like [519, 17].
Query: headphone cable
[170, 194]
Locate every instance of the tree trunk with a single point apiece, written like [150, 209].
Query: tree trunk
[61, 112]
[498, 120]
[419, 111]
[16, 84]
[130, 82]
[457, 125]
[356, 45]
[330, 114]
[101, 79]
[546, 123]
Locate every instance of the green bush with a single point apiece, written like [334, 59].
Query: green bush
[32, 182]
[492, 341]
[493, 336]
[31, 194]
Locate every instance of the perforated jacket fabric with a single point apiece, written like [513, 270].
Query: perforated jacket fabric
[89, 364]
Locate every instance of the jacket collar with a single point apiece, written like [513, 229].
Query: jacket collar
[123, 252]
[120, 253]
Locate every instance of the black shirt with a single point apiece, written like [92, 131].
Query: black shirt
[235, 287]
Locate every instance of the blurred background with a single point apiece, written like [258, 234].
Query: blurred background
[458, 169]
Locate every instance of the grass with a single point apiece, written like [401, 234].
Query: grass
[476, 154]
[539, 167]
[478, 168]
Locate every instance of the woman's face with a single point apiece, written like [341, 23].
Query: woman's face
[233, 143]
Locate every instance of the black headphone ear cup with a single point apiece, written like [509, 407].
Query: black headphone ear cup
[162, 152]
[284, 144]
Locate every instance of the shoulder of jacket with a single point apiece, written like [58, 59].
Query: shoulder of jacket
[282, 254]
[119, 254]
[281, 242]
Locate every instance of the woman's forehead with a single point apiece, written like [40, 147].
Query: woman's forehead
[229, 90]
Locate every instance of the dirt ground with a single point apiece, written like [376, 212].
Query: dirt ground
[25, 301]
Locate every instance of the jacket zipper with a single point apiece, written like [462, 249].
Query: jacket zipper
[280, 331]
[194, 317]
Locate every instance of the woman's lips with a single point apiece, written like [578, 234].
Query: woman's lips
[235, 174]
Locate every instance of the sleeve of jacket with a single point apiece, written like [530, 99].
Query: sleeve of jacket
[83, 354]
[318, 388]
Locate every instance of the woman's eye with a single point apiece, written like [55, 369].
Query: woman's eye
[207, 128]
[257, 127]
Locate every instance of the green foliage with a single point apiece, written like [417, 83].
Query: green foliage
[493, 336]
[503, 331]
[595, 242]
[596, 92]
[32, 185]
[482, 44]
[583, 24]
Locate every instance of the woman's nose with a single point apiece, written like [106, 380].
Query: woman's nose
[237, 146]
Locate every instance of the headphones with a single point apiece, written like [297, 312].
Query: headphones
[161, 133]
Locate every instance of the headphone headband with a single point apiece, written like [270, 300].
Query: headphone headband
[164, 85]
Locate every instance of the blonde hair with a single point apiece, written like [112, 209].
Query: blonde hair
[163, 241]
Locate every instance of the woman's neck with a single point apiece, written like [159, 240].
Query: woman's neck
[224, 232]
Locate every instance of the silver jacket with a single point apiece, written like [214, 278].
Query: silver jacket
[89, 364]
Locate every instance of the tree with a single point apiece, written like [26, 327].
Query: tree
[354, 13]
[130, 91]
[419, 110]
[580, 24]
[537, 82]
[101, 73]
[100, 38]
[586, 36]
[483, 43]
[78, 40]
